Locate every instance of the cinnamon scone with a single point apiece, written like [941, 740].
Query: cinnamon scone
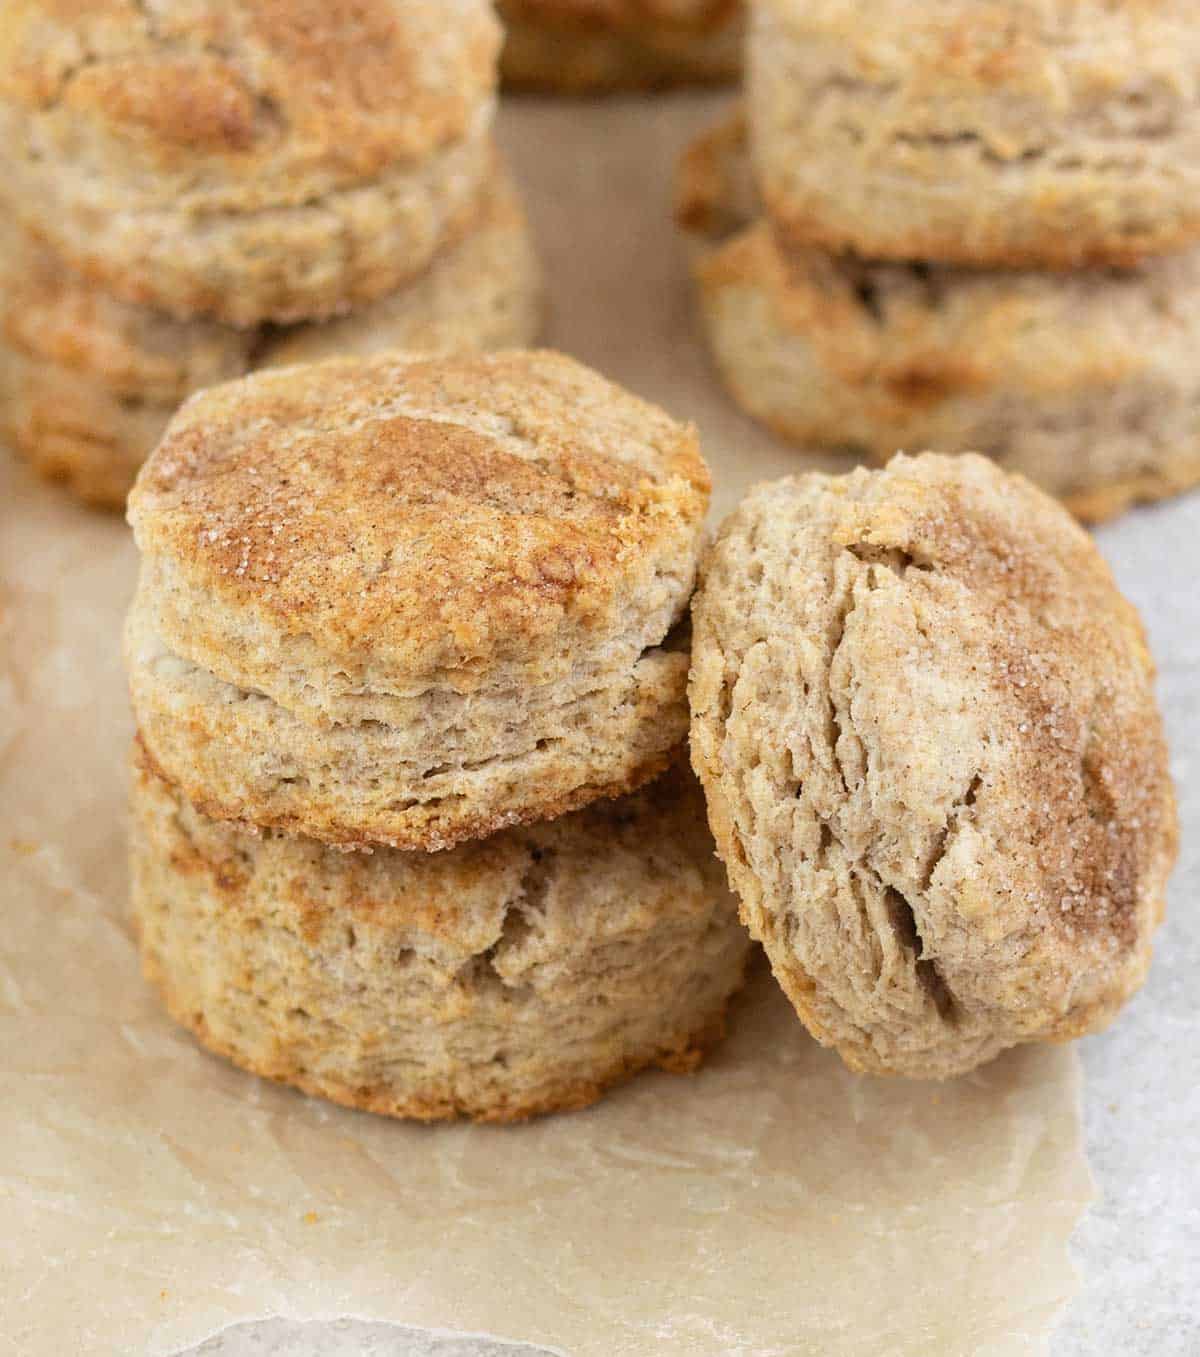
[924, 720]
[246, 159]
[1014, 133]
[414, 601]
[1084, 382]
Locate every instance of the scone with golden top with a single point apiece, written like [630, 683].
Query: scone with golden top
[414, 601]
[500, 980]
[483, 291]
[1085, 382]
[88, 383]
[248, 159]
[1017, 133]
[592, 46]
[925, 724]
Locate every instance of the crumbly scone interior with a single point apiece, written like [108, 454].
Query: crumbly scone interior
[493, 756]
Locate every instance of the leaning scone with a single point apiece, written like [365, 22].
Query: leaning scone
[1028, 133]
[414, 601]
[924, 720]
[503, 979]
[590, 46]
[245, 159]
[1085, 382]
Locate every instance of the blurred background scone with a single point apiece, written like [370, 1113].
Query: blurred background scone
[924, 720]
[592, 46]
[178, 184]
[244, 159]
[413, 601]
[1086, 381]
[87, 382]
[502, 979]
[483, 291]
[987, 132]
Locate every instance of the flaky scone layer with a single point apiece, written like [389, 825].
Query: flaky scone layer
[924, 720]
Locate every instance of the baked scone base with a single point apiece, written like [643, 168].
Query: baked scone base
[513, 977]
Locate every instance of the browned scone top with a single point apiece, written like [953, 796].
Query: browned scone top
[393, 521]
[282, 98]
[924, 719]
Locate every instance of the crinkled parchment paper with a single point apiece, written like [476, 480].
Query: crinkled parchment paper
[771, 1204]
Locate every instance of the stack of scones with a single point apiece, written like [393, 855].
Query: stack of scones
[192, 191]
[964, 225]
[413, 826]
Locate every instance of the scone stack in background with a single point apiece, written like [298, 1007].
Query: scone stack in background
[597, 46]
[964, 225]
[413, 827]
[190, 192]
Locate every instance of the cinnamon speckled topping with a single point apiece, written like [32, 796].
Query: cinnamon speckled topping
[430, 510]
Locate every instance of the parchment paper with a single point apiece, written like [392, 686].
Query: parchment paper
[771, 1204]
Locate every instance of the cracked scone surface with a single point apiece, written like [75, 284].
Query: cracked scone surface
[1085, 382]
[1028, 133]
[591, 46]
[413, 601]
[506, 978]
[249, 159]
[924, 720]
